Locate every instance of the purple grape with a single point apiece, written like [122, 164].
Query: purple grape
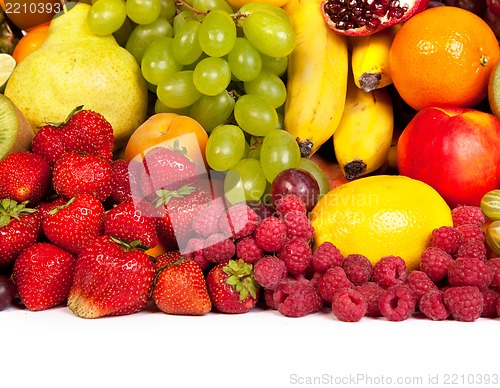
[262, 209]
[7, 292]
[296, 181]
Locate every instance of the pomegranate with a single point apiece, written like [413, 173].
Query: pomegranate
[454, 150]
[365, 17]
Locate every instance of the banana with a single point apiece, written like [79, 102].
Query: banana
[363, 138]
[316, 77]
[370, 59]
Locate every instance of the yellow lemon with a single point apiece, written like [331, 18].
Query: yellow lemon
[379, 216]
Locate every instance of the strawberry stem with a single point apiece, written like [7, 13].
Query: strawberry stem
[10, 209]
[164, 196]
[241, 278]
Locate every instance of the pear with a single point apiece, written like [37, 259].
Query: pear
[74, 67]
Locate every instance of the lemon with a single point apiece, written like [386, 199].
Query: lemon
[7, 65]
[380, 215]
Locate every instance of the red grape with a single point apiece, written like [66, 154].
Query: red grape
[494, 7]
[7, 292]
[262, 209]
[296, 181]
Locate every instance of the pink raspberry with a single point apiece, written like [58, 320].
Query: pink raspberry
[269, 272]
[248, 250]
[448, 238]
[494, 265]
[297, 255]
[297, 225]
[397, 303]
[269, 298]
[490, 300]
[333, 279]
[471, 232]
[238, 221]
[295, 298]
[473, 250]
[270, 234]
[326, 256]
[290, 202]
[357, 268]
[389, 271]
[420, 283]
[432, 305]
[348, 305]
[464, 303]
[218, 248]
[469, 272]
[435, 262]
[371, 292]
[194, 251]
[206, 221]
[467, 215]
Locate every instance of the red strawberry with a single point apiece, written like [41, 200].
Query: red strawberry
[44, 208]
[110, 279]
[24, 176]
[180, 289]
[43, 274]
[48, 144]
[129, 222]
[232, 287]
[167, 258]
[75, 173]
[76, 224]
[124, 176]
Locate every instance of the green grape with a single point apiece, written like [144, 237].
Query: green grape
[162, 108]
[144, 34]
[279, 152]
[246, 151]
[212, 76]
[318, 174]
[275, 65]
[217, 33]
[181, 18]
[178, 90]
[193, 65]
[281, 121]
[158, 61]
[244, 60]
[255, 115]
[255, 147]
[211, 5]
[211, 111]
[143, 11]
[225, 147]
[168, 9]
[269, 33]
[245, 181]
[186, 47]
[152, 88]
[248, 8]
[122, 34]
[106, 16]
[269, 86]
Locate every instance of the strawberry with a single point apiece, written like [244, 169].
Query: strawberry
[24, 176]
[123, 177]
[167, 258]
[76, 224]
[129, 222]
[232, 287]
[43, 274]
[44, 208]
[48, 144]
[75, 173]
[111, 278]
[20, 228]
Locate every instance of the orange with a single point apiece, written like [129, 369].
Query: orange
[27, 14]
[30, 42]
[443, 56]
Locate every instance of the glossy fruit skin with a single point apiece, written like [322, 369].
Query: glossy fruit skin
[296, 181]
[30, 42]
[454, 150]
[29, 14]
[7, 292]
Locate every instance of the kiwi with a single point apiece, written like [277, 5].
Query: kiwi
[494, 90]
[16, 133]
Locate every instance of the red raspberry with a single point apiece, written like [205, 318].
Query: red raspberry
[472, 250]
[447, 238]
[357, 268]
[348, 305]
[295, 298]
[471, 232]
[290, 202]
[238, 221]
[469, 272]
[420, 283]
[397, 303]
[297, 225]
[269, 272]
[490, 300]
[494, 265]
[248, 250]
[464, 303]
[270, 234]
[389, 271]
[194, 251]
[218, 248]
[371, 292]
[432, 305]
[326, 256]
[332, 280]
[206, 221]
[467, 215]
[435, 262]
[269, 298]
[297, 255]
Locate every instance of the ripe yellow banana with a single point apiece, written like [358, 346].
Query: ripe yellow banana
[370, 59]
[316, 77]
[364, 135]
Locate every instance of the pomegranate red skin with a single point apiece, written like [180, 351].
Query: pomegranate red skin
[454, 150]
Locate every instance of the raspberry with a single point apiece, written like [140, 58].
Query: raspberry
[435, 262]
[270, 234]
[447, 238]
[432, 306]
[472, 250]
[295, 298]
[326, 256]
[218, 248]
[269, 298]
[420, 283]
[389, 271]
[248, 250]
[490, 300]
[471, 232]
[297, 225]
[357, 268]
[464, 303]
[372, 292]
[332, 280]
[397, 303]
[290, 202]
[494, 265]
[462, 215]
[269, 272]
[238, 221]
[469, 272]
[348, 305]
[194, 251]
[297, 255]
[206, 221]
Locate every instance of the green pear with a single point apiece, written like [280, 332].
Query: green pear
[76, 67]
